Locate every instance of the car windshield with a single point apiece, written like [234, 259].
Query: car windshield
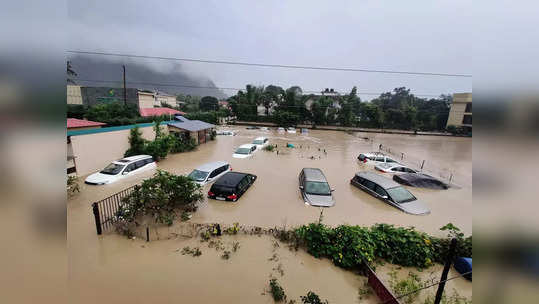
[386, 165]
[317, 188]
[198, 175]
[243, 151]
[258, 142]
[400, 195]
[112, 169]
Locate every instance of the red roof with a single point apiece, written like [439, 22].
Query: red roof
[81, 123]
[159, 111]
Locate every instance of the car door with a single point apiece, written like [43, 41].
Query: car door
[302, 183]
[242, 185]
[213, 175]
[139, 165]
[223, 170]
[129, 169]
[369, 186]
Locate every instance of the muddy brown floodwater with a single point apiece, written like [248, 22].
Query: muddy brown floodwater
[113, 269]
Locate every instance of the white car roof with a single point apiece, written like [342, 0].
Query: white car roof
[260, 138]
[369, 154]
[129, 159]
[246, 146]
[207, 167]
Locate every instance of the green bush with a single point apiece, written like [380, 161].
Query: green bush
[277, 292]
[159, 197]
[182, 145]
[312, 298]
[350, 246]
[269, 148]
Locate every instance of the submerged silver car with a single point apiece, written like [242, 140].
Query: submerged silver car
[314, 188]
[390, 192]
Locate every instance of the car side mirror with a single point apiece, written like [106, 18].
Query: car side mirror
[125, 172]
[385, 197]
[301, 187]
[209, 179]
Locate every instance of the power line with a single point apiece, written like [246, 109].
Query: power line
[267, 65]
[224, 88]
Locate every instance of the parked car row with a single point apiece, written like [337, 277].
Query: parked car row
[313, 185]
[247, 150]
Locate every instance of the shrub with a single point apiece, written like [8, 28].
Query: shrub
[277, 292]
[312, 298]
[159, 197]
[182, 145]
[269, 148]
[350, 246]
[136, 143]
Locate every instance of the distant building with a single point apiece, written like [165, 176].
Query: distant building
[328, 93]
[144, 99]
[460, 114]
[162, 98]
[73, 94]
[92, 96]
[223, 104]
[147, 112]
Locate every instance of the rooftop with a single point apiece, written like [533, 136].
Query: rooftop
[81, 123]
[190, 125]
[211, 166]
[314, 175]
[159, 111]
[382, 181]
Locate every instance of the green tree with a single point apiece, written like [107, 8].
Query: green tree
[136, 143]
[209, 103]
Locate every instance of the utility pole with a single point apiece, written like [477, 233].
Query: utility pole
[448, 262]
[125, 89]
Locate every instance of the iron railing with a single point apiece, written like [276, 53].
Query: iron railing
[105, 210]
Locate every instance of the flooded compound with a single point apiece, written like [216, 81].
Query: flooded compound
[112, 268]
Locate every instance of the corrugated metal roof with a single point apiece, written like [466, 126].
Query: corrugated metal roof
[191, 125]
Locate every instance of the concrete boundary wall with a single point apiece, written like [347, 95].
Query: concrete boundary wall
[95, 151]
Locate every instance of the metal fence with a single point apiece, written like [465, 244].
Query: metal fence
[105, 209]
[425, 166]
[379, 288]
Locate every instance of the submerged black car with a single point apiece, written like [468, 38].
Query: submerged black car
[420, 180]
[231, 186]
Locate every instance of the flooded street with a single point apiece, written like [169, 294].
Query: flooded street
[113, 269]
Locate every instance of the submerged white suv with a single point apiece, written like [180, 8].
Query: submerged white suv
[119, 169]
[375, 158]
[209, 172]
[260, 142]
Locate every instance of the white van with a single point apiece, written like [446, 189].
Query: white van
[119, 169]
[245, 151]
[209, 172]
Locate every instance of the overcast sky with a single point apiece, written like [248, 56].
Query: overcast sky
[423, 36]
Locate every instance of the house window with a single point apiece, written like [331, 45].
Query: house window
[467, 120]
[468, 108]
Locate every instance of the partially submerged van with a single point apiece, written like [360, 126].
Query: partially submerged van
[127, 166]
[209, 172]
